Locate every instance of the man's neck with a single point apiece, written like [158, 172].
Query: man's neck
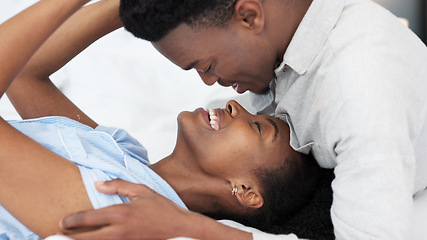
[283, 18]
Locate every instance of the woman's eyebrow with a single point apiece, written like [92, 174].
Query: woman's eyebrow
[276, 129]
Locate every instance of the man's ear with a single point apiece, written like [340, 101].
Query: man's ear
[250, 14]
[250, 197]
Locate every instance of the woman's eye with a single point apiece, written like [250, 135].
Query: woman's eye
[209, 68]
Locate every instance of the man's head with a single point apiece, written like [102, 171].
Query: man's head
[233, 42]
[152, 20]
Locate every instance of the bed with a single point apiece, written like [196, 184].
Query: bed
[122, 81]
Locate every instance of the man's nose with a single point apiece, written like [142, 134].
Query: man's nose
[208, 78]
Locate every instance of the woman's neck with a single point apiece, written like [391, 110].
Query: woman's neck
[197, 190]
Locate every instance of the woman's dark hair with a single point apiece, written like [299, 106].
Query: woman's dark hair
[153, 19]
[297, 199]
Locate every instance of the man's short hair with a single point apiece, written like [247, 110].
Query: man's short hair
[153, 19]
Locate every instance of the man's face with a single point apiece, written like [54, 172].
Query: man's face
[231, 56]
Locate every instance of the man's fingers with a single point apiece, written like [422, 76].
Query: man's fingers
[87, 219]
[102, 233]
[124, 188]
[105, 223]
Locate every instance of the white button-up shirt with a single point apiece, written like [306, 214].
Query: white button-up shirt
[353, 88]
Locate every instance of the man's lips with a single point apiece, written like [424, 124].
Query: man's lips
[234, 84]
[238, 88]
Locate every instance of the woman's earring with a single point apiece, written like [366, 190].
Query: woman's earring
[234, 191]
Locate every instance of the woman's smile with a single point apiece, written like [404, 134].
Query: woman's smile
[212, 117]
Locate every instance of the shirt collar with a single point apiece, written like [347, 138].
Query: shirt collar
[311, 35]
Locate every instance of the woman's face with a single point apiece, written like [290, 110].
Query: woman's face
[230, 143]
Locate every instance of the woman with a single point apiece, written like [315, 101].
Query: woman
[226, 162]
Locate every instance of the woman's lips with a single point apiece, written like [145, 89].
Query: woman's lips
[205, 115]
[211, 117]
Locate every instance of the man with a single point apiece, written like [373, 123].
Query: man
[346, 75]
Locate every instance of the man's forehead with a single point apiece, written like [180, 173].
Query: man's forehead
[179, 53]
[187, 53]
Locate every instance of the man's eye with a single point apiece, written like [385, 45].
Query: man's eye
[209, 68]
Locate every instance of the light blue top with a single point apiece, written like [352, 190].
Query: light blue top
[101, 154]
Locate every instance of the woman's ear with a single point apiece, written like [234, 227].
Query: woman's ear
[250, 14]
[250, 197]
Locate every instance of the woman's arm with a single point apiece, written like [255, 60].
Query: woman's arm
[32, 93]
[22, 35]
[37, 186]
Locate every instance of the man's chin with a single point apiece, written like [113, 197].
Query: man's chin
[264, 91]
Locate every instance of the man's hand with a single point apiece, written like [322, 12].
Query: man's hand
[148, 216]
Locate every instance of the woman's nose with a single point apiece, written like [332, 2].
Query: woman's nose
[208, 78]
[234, 108]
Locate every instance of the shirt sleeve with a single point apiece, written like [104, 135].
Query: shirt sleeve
[372, 200]
[372, 137]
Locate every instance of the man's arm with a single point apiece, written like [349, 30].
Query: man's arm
[150, 216]
[32, 93]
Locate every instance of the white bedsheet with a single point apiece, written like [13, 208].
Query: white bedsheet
[124, 82]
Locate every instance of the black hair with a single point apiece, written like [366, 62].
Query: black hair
[297, 199]
[153, 19]
[313, 221]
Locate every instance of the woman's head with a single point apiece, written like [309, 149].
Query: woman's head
[251, 154]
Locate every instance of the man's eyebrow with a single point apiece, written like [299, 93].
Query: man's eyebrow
[276, 129]
[191, 65]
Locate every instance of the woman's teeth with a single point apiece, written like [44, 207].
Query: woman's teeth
[214, 121]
